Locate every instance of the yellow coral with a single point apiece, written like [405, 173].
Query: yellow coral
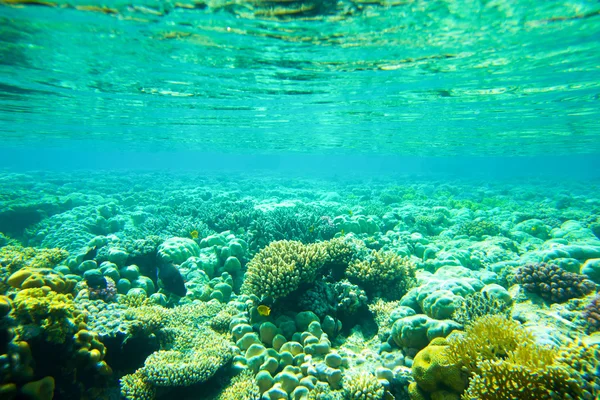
[55, 313]
[14, 258]
[489, 337]
[278, 269]
[27, 278]
[435, 373]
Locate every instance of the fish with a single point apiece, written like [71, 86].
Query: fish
[263, 310]
[194, 234]
[171, 279]
[350, 212]
[90, 254]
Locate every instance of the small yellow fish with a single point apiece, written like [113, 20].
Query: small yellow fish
[194, 234]
[350, 212]
[342, 232]
[311, 229]
[263, 311]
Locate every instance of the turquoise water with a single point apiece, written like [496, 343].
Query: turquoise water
[411, 78]
[332, 200]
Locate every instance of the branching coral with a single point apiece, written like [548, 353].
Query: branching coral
[383, 274]
[505, 362]
[477, 305]
[488, 338]
[363, 386]
[279, 269]
[530, 372]
[592, 314]
[553, 283]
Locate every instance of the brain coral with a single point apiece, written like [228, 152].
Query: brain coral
[278, 269]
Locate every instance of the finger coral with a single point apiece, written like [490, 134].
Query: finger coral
[553, 283]
[382, 274]
[280, 268]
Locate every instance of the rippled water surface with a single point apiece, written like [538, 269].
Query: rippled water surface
[392, 77]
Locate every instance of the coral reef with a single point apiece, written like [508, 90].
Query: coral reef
[553, 283]
[592, 314]
[383, 274]
[280, 268]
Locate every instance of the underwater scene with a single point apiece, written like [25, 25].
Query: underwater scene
[299, 199]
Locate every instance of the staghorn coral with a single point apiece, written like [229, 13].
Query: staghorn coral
[382, 274]
[553, 283]
[279, 269]
[530, 372]
[340, 251]
[477, 305]
[488, 338]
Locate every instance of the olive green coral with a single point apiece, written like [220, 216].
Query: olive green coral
[280, 268]
[383, 274]
[13, 258]
[55, 313]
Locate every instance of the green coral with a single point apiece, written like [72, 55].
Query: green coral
[280, 268]
[362, 386]
[241, 387]
[477, 305]
[383, 274]
[479, 228]
[136, 387]
[530, 372]
[190, 351]
[505, 362]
